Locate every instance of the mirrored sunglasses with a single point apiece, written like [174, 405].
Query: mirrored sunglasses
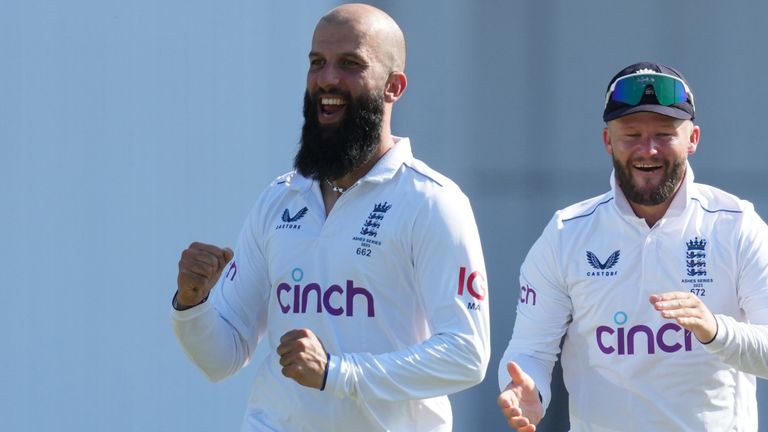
[669, 90]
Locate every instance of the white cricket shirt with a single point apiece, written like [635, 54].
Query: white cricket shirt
[589, 276]
[392, 282]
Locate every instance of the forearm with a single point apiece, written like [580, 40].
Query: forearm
[209, 341]
[741, 345]
[445, 363]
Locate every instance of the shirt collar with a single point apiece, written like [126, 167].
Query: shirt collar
[384, 169]
[680, 200]
[400, 154]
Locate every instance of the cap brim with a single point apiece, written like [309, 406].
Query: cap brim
[668, 111]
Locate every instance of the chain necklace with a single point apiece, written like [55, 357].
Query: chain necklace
[335, 188]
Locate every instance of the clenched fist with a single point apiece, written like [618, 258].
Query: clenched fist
[303, 358]
[199, 268]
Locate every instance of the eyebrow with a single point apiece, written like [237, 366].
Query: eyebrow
[353, 55]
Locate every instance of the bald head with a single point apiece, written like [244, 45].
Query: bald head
[381, 31]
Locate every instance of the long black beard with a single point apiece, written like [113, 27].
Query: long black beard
[673, 174]
[331, 152]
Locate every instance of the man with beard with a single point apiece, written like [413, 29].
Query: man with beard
[659, 286]
[357, 287]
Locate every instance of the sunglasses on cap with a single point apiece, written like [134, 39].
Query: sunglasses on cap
[669, 90]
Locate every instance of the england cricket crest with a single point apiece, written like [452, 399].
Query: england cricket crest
[696, 277]
[696, 257]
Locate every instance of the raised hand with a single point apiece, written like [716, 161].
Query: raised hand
[199, 268]
[519, 402]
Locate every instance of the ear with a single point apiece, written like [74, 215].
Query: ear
[607, 141]
[693, 140]
[395, 87]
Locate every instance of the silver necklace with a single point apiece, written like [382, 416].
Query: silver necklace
[335, 188]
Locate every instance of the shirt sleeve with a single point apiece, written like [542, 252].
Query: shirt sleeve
[449, 270]
[543, 315]
[744, 345]
[220, 334]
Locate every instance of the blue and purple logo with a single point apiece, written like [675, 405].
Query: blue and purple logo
[621, 340]
[335, 299]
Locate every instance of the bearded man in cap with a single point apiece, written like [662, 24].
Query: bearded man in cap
[659, 286]
[357, 288]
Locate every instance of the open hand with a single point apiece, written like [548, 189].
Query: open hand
[519, 402]
[688, 311]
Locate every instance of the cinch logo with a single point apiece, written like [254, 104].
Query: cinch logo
[296, 298]
[622, 340]
[289, 220]
[596, 264]
[527, 295]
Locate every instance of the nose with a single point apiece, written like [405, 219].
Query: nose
[327, 77]
[650, 146]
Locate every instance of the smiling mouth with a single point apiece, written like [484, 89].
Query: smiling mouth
[645, 167]
[331, 106]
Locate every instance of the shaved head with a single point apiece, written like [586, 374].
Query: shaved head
[380, 30]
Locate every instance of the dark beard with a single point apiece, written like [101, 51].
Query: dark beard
[672, 176]
[331, 152]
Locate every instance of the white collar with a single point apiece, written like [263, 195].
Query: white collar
[384, 169]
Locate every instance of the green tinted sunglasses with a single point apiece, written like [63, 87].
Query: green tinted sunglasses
[630, 89]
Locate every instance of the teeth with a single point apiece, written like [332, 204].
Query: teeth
[331, 101]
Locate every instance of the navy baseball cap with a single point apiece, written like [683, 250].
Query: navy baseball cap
[649, 87]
